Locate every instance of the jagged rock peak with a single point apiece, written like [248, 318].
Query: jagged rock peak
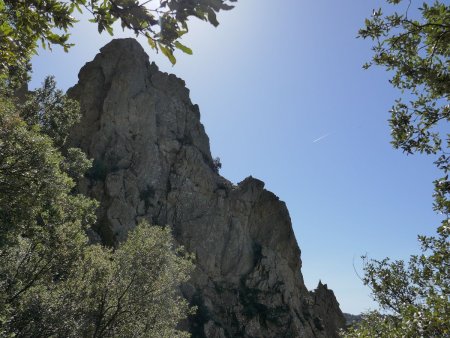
[326, 306]
[152, 161]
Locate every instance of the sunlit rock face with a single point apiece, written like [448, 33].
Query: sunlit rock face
[152, 161]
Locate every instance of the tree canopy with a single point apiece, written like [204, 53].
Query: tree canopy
[413, 44]
[24, 23]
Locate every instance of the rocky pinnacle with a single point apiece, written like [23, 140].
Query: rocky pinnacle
[152, 161]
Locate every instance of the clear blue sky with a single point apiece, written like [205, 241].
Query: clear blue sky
[270, 80]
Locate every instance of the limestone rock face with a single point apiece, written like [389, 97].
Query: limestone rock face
[152, 161]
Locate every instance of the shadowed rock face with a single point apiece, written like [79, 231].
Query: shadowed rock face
[152, 161]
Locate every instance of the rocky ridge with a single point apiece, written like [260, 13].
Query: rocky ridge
[152, 161]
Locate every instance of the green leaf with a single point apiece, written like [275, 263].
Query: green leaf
[182, 32]
[183, 48]
[78, 8]
[151, 42]
[212, 18]
[5, 29]
[168, 53]
[226, 7]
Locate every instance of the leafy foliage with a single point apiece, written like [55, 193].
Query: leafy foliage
[52, 282]
[131, 292]
[134, 292]
[417, 52]
[52, 110]
[41, 223]
[415, 296]
[26, 22]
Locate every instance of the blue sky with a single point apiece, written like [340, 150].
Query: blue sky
[273, 78]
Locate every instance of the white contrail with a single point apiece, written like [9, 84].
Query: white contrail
[321, 137]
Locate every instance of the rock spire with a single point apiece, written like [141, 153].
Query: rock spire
[152, 161]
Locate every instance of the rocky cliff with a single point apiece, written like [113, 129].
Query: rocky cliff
[152, 161]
